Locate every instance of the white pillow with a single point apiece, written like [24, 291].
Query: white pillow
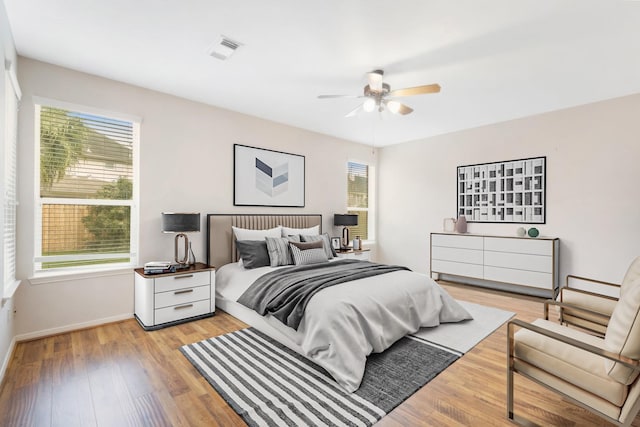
[311, 231]
[247, 234]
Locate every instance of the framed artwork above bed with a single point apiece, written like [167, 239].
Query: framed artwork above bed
[264, 177]
[512, 191]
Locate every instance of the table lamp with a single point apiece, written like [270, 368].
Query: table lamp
[181, 223]
[345, 220]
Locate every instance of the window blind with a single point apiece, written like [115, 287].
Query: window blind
[9, 183]
[86, 189]
[358, 197]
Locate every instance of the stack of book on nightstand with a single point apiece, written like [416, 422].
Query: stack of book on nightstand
[159, 267]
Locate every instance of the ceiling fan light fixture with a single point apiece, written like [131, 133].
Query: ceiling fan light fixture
[369, 105]
[394, 106]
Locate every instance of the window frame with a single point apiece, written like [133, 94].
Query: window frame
[133, 204]
[371, 199]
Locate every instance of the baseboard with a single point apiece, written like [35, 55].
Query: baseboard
[68, 328]
[7, 359]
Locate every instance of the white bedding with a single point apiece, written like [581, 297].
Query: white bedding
[343, 324]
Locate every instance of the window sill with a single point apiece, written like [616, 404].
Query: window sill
[10, 290]
[42, 278]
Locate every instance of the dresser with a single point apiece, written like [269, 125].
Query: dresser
[167, 299]
[517, 264]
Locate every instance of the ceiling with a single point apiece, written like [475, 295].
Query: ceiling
[496, 60]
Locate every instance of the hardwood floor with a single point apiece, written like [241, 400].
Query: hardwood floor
[120, 375]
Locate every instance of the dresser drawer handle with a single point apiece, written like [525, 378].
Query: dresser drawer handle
[180, 307]
[186, 276]
[186, 291]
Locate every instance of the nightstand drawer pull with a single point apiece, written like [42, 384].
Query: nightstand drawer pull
[186, 276]
[180, 307]
[186, 291]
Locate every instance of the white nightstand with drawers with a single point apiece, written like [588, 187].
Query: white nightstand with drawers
[167, 299]
[362, 255]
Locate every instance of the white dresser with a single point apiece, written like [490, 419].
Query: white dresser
[517, 264]
[167, 299]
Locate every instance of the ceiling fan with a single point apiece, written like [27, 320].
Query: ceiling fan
[379, 96]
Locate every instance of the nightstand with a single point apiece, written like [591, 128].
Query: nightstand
[167, 299]
[362, 255]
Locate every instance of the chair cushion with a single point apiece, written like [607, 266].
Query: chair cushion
[623, 333]
[632, 274]
[570, 364]
[597, 303]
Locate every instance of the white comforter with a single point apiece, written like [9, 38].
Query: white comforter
[343, 324]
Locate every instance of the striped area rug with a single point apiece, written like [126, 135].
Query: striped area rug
[269, 385]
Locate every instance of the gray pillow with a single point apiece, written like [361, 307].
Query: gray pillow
[326, 242]
[308, 253]
[278, 250]
[254, 253]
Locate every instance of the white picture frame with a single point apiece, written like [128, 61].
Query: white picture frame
[265, 177]
[336, 243]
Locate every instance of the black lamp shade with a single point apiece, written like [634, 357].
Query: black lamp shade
[345, 219]
[180, 222]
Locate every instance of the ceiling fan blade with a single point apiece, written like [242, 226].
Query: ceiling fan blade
[398, 108]
[338, 96]
[418, 90]
[375, 80]
[355, 111]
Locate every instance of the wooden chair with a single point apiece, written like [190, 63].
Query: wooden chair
[599, 373]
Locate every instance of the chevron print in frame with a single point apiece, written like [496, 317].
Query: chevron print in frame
[265, 177]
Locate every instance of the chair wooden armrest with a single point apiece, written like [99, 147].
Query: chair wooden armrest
[590, 293]
[563, 305]
[633, 364]
[588, 279]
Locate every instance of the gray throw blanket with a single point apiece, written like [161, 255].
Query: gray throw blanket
[285, 293]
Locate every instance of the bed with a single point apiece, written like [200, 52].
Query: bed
[342, 324]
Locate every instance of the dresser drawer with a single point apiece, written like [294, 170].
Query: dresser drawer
[181, 281]
[182, 311]
[454, 241]
[519, 277]
[181, 296]
[541, 263]
[457, 268]
[523, 246]
[471, 256]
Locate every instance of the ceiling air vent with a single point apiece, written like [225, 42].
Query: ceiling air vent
[223, 48]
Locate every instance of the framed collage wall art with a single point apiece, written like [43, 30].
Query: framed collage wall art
[512, 191]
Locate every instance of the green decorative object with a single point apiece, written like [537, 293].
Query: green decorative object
[533, 232]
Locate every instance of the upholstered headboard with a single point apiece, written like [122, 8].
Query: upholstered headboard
[221, 246]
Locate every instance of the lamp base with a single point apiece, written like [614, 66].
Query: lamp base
[344, 244]
[185, 259]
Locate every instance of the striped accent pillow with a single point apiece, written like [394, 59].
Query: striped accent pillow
[326, 241]
[308, 253]
[278, 248]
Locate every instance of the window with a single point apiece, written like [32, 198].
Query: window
[87, 190]
[358, 199]
[9, 174]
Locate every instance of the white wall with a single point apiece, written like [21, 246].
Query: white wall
[186, 165]
[593, 198]
[7, 329]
